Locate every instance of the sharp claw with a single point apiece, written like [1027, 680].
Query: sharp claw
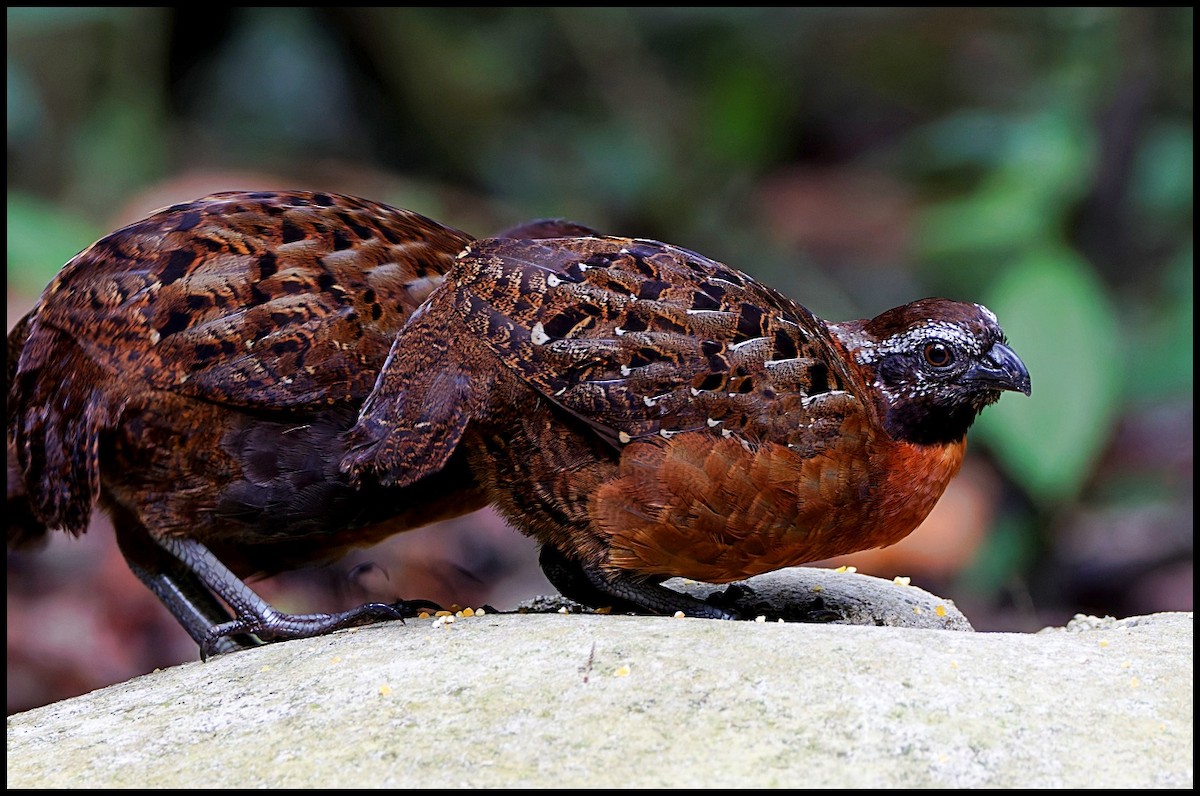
[211, 639]
[371, 610]
[412, 608]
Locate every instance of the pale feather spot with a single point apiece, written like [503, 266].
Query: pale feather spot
[745, 343]
[821, 396]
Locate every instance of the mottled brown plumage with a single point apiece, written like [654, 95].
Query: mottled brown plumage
[646, 412]
[257, 381]
[194, 372]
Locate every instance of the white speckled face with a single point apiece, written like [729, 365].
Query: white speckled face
[916, 338]
[936, 363]
[868, 352]
[924, 379]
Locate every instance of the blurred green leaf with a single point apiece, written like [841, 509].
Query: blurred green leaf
[42, 237]
[26, 112]
[1163, 340]
[743, 123]
[973, 138]
[1047, 163]
[121, 147]
[619, 164]
[1163, 173]
[1000, 215]
[1024, 199]
[1054, 153]
[1062, 323]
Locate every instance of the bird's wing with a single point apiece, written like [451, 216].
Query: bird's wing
[644, 341]
[270, 300]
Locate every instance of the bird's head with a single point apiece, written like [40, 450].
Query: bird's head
[936, 364]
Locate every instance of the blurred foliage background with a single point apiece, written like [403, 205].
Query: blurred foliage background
[1036, 160]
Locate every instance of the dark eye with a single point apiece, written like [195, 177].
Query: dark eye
[938, 355]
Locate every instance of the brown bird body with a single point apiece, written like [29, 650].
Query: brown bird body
[646, 412]
[194, 373]
[257, 381]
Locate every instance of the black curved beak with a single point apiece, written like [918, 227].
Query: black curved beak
[1001, 369]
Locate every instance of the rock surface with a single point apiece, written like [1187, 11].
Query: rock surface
[812, 594]
[616, 701]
